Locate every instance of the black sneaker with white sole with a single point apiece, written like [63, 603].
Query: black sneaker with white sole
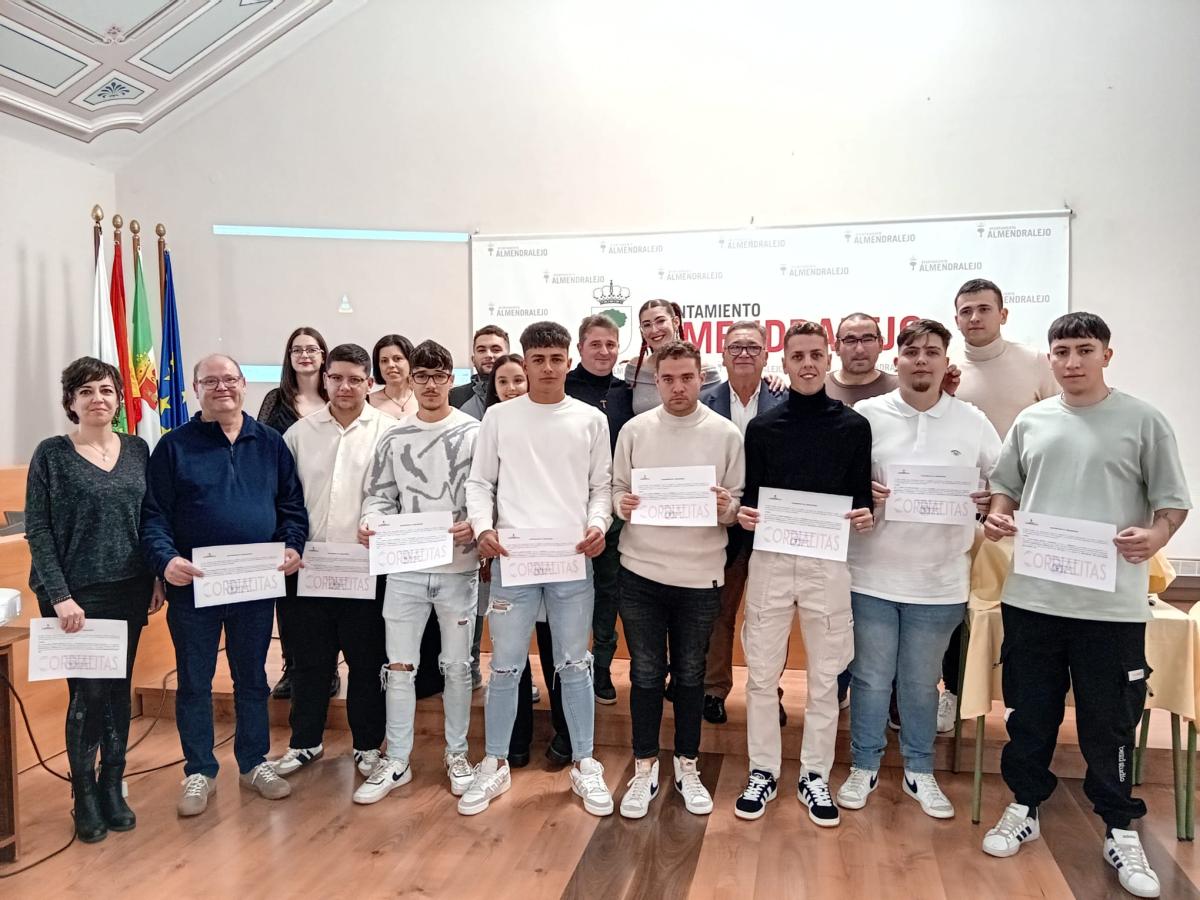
[760, 790]
[813, 792]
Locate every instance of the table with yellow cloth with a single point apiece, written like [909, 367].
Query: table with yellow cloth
[1172, 651]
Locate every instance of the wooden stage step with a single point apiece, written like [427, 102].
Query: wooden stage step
[613, 727]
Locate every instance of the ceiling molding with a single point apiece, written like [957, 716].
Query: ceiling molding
[201, 46]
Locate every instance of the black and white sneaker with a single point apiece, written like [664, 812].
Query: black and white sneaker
[1125, 854]
[760, 790]
[297, 758]
[813, 792]
[1014, 829]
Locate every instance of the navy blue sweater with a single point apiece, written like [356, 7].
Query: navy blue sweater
[203, 491]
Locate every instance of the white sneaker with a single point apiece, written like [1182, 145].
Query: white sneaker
[857, 788]
[388, 775]
[367, 760]
[641, 789]
[459, 771]
[1014, 828]
[924, 789]
[947, 712]
[196, 791]
[587, 780]
[492, 778]
[1125, 854]
[687, 781]
[297, 758]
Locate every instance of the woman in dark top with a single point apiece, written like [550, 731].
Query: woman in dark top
[301, 391]
[301, 388]
[83, 504]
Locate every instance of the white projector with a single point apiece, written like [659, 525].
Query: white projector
[10, 605]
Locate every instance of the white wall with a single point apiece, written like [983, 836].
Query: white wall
[45, 284]
[515, 117]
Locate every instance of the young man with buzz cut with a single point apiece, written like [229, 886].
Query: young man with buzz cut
[817, 444]
[670, 578]
[488, 344]
[541, 461]
[1097, 454]
[910, 580]
[1002, 378]
[421, 466]
[333, 449]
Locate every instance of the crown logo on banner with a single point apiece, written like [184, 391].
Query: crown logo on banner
[611, 293]
[981, 228]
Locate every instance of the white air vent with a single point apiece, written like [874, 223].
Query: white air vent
[1186, 566]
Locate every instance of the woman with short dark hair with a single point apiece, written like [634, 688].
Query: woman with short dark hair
[83, 502]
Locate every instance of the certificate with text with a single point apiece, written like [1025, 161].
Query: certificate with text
[336, 570]
[411, 542]
[97, 650]
[674, 496]
[541, 556]
[801, 523]
[1070, 551]
[238, 573]
[936, 495]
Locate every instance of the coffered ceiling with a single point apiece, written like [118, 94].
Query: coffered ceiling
[84, 67]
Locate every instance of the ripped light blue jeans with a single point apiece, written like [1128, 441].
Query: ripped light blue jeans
[406, 605]
[511, 615]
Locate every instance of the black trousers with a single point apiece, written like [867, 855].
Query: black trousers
[319, 628]
[657, 616]
[522, 733]
[1105, 664]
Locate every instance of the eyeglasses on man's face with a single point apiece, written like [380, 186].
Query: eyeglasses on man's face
[211, 383]
[355, 381]
[438, 378]
[853, 340]
[740, 349]
[306, 351]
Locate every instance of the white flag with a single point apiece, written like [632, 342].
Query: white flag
[104, 336]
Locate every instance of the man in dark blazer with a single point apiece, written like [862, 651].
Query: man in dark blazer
[740, 399]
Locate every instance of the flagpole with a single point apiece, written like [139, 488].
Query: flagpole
[117, 224]
[136, 230]
[97, 217]
[161, 230]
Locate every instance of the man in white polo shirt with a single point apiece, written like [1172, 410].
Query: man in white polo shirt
[910, 580]
[333, 448]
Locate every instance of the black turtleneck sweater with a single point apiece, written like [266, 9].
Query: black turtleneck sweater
[810, 443]
[594, 390]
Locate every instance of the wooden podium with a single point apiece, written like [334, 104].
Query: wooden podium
[9, 817]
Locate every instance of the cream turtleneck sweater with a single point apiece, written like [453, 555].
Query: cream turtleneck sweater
[1002, 378]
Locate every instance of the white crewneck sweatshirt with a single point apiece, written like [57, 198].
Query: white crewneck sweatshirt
[541, 465]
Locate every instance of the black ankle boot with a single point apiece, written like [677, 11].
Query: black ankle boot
[117, 814]
[81, 755]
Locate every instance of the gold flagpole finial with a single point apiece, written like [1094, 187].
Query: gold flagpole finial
[97, 213]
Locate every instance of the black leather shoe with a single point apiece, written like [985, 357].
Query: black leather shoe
[335, 685]
[602, 686]
[782, 715]
[558, 751]
[518, 760]
[669, 691]
[714, 710]
[283, 687]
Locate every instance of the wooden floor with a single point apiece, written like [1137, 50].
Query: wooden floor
[536, 841]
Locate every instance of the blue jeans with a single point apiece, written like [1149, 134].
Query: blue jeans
[409, 598]
[511, 616]
[903, 642]
[196, 634]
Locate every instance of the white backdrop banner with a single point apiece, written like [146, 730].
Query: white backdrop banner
[896, 271]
